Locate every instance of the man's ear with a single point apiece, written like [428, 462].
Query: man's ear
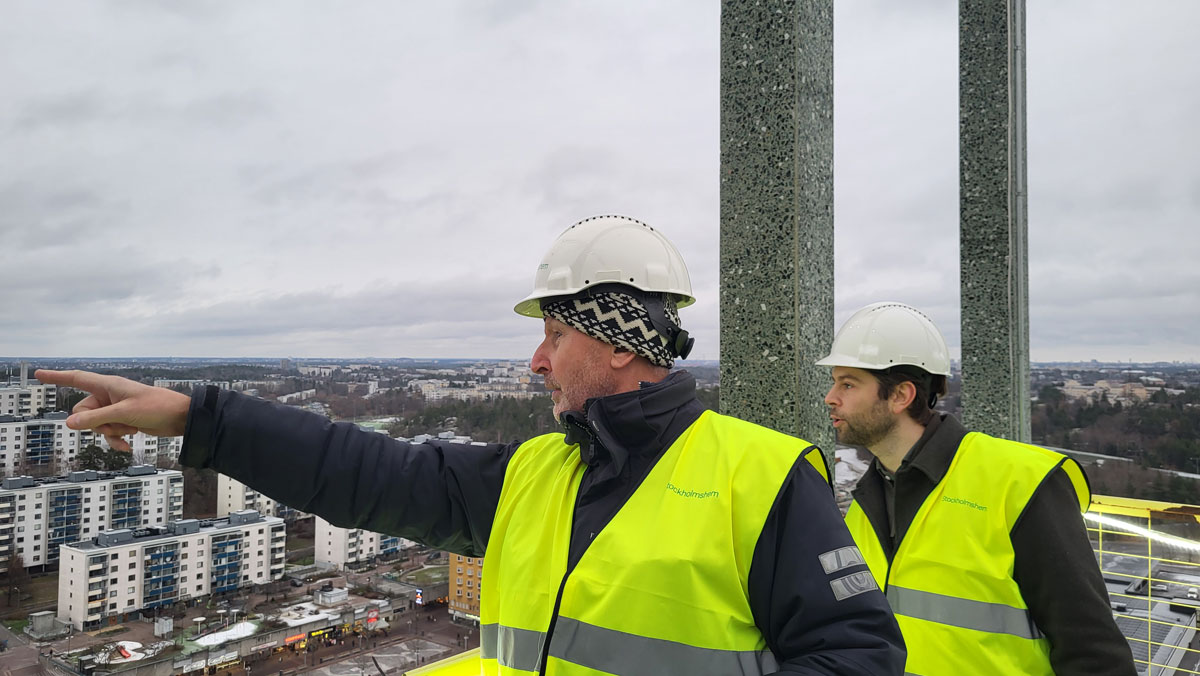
[902, 396]
[621, 357]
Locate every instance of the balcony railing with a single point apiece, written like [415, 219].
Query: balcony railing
[1149, 554]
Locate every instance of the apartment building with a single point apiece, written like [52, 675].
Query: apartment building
[465, 574]
[37, 516]
[26, 400]
[123, 572]
[42, 445]
[235, 496]
[150, 450]
[179, 384]
[340, 548]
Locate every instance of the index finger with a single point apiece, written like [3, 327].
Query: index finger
[83, 380]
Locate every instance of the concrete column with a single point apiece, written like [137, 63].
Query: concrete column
[777, 213]
[993, 212]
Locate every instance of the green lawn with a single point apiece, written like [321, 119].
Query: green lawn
[294, 543]
[16, 626]
[431, 575]
[44, 588]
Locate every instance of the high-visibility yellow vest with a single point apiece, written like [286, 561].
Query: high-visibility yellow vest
[662, 589]
[950, 582]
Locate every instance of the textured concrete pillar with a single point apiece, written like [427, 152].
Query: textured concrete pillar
[993, 217]
[777, 213]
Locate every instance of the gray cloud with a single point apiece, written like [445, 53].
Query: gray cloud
[382, 178]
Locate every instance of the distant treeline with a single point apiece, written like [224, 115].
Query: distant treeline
[1163, 432]
[500, 420]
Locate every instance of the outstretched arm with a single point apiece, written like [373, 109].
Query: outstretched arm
[118, 406]
[441, 494]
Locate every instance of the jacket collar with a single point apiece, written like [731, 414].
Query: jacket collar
[931, 455]
[628, 423]
[934, 451]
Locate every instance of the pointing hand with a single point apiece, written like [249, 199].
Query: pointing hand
[118, 406]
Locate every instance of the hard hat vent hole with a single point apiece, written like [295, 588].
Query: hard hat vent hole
[631, 279]
[587, 281]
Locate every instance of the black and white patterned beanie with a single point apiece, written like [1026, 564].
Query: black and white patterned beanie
[618, 319]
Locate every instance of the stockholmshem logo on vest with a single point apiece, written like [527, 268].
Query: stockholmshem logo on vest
[684, 493]
[964, 502]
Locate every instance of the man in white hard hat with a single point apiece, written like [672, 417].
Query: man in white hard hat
[978, 542]
[650, 537]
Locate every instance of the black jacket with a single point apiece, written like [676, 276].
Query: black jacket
[1054, 565]
[445, 495]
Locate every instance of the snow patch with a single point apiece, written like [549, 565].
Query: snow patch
[239, 630]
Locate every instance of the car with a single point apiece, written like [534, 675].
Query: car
[1193, 593]
[297, 582]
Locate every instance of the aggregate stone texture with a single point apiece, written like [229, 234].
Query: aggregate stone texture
[777, 213]
[993, 218]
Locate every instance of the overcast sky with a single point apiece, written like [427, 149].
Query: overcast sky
[381, 178]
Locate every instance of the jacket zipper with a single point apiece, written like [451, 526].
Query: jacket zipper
[553, 621]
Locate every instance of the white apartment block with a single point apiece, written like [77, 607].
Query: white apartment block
[149, 450]
[187, 385]
[302, 395]
[133, 571]
[235, 496]
[340, 548]
[37, 516]
[39, 445]
[27, 400]
[319, 371]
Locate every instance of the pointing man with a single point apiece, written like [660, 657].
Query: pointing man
[978, 542]
[650, 537]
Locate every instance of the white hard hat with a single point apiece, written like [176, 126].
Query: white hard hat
[883, 335]
[609, 250]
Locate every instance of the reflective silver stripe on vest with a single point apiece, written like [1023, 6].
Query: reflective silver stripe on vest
[994, 618]
[511, 647]
[617, 652]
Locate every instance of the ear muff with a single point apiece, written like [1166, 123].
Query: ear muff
[683, 344]
[678, 340]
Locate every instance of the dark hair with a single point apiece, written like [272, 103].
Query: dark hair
[929, 388]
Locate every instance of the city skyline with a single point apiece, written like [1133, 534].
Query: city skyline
[381, 181]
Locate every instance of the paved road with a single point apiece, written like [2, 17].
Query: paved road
[19, 656]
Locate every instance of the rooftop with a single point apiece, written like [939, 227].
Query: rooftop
[84, 476]
[125, 537]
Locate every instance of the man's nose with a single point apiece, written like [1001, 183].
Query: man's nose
[539, 364]
[829, 400]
